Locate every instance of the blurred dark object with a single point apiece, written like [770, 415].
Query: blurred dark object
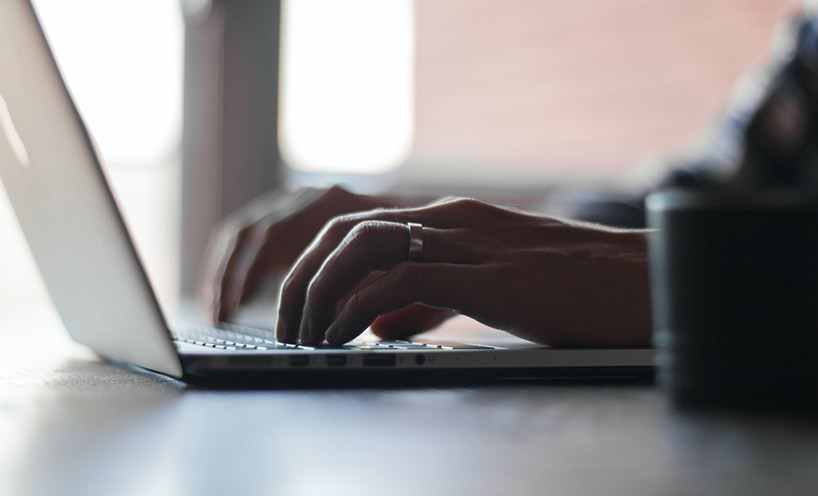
[626, 209]
[735, 297]
[765, 139]
[615, 209]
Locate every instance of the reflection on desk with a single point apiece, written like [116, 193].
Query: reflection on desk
[72, 424]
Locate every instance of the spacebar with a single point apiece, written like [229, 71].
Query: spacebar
[282, 346]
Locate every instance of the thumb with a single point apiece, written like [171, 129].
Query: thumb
[409, 321]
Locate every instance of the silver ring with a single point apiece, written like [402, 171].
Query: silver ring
[415, 242]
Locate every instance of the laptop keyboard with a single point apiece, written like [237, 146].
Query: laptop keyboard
[238, 337]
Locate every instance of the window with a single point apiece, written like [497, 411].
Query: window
[510, 91]
[346, 84]
[122, 62]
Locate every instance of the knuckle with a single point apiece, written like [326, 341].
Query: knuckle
[353, 305]
[467, 203]
[235, 234]
[271, 228]
[404, 274]
[336, 191]
[287, 288]
[353, 309]
[313, 292]
[364, 232]
[445, 200]
[456, 210]
[457, 206]
[246, 232]
[337, 227]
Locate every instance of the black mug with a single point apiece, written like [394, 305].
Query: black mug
[734, 289]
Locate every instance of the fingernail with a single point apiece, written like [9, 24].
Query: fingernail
[223, 313]
[281, 334]
[226, 308]
[304, 332]
[333, 332]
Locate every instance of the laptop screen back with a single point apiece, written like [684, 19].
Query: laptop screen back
[66, 209]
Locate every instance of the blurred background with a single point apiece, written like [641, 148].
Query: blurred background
[200, 105]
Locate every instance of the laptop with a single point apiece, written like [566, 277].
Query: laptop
[70, 218]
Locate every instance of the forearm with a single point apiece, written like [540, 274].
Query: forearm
[622, 292]
[604, 292]
[397, 200]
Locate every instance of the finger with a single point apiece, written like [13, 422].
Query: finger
[293, 291]
[254, 263]
[435, 285]
[409, 321]
[229, 274]
[372, 246]
[267, 260]
[288, 237]
[231, 250]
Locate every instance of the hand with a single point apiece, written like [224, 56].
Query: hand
[540, 278]
[261, 241]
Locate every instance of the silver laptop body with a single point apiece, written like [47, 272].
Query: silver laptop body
[70, 219]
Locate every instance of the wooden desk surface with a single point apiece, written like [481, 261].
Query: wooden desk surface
[71, 424]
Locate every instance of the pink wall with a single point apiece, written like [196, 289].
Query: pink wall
[569, 84]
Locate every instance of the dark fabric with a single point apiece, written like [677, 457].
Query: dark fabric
[766, 138]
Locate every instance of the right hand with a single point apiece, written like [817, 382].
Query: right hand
[259, 244]
[541, 278]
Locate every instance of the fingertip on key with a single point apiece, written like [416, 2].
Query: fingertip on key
[333, 334]
[304, 331]
[281, 332]
[219, 314]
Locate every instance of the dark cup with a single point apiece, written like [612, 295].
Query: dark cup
[734, 289]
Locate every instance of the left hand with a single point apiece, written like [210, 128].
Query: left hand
[540, 278]
[260, 242]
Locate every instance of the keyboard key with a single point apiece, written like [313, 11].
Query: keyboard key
[232, 336]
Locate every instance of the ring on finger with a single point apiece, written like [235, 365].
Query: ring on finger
[415, 253]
